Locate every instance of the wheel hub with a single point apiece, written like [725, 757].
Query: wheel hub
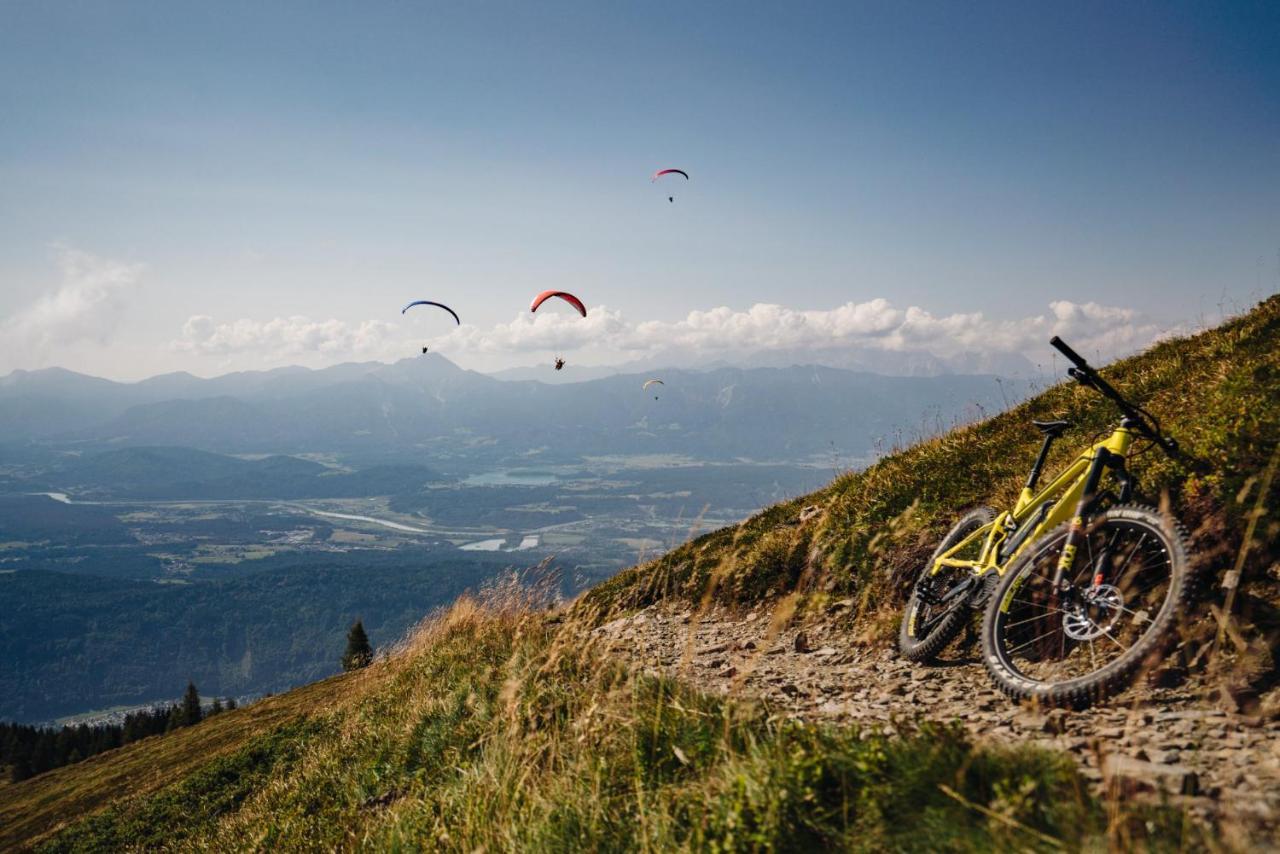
[1093, 615]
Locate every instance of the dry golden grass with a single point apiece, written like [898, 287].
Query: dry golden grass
[38, 807]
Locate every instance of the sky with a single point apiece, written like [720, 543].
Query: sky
[224, 186]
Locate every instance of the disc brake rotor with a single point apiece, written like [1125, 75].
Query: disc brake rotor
[1093, 616]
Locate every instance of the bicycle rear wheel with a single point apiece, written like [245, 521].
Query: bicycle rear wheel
[1083, 642]
[939, 603]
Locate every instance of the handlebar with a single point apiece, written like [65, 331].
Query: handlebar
[1085, 374]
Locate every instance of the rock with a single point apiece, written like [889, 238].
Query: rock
[1190, 715]
[839, 605]
[810, 512]
[1269, 705]
[1056, 720]
[827, 652]
[752, 617]
[729, 671]
[1032, 721]
[802, 642]
[1161, 757]
[1169, 676]
[1235, 697]
[1126, 775]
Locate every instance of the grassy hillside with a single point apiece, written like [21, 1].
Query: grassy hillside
[499, 727]
[868, 532]
[496, 728]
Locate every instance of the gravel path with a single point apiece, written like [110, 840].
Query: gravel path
[1147, 743]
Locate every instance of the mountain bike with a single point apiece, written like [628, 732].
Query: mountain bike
[1078, 586]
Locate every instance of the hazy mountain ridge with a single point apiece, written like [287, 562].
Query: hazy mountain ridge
[762, 412]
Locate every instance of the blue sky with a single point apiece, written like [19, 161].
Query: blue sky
[215, 186]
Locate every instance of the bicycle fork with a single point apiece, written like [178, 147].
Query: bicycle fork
[1102, 460]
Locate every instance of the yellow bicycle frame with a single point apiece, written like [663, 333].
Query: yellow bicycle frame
[1065, 491]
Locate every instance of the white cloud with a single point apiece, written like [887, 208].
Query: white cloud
[286, 337]
[1094, 329]
[87, 306]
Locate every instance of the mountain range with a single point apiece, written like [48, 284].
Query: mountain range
[431, 405]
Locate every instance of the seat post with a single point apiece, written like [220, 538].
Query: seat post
[1039, 466]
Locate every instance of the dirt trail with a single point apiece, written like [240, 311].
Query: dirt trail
[1158, 742]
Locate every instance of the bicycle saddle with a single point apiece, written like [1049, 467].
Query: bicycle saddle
[1052, 428]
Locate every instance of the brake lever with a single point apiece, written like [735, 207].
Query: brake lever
[1081, 377]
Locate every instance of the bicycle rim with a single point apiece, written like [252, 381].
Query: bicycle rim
[1051, 637]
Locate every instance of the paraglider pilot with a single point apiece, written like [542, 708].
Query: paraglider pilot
[559, 363]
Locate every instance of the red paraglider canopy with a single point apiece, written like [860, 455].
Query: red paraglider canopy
[661, 172]
[564, 295]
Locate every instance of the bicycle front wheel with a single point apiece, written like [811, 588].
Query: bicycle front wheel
[1083, 641]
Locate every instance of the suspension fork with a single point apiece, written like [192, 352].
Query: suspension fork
[1102, 459]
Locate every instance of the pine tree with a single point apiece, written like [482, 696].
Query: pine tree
[175, 720]
[216, 708]
[191, 712]
[231, 703]
[359, 653]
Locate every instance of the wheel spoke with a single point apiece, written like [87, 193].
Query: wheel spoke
[1039, 616]
[1036, 638]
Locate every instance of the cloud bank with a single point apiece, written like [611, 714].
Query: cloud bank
[1099, 330]
[87, 306]
[286, 337]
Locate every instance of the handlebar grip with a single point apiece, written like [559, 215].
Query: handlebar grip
[1072, 355]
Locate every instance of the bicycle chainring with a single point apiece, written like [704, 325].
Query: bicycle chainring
[986, 586]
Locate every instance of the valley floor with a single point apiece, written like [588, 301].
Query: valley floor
[1154, 743]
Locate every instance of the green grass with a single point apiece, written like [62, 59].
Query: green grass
[34, 808]
[495, 730]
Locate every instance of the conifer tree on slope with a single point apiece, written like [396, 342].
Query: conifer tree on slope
[191, 712]
[359, 653]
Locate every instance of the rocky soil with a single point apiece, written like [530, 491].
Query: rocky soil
[1178, 743]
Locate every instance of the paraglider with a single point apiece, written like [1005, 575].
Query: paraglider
[436, 304]
[564, 295]
[567, 297]
[648, 383]
[456, 319]
[661, 172]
